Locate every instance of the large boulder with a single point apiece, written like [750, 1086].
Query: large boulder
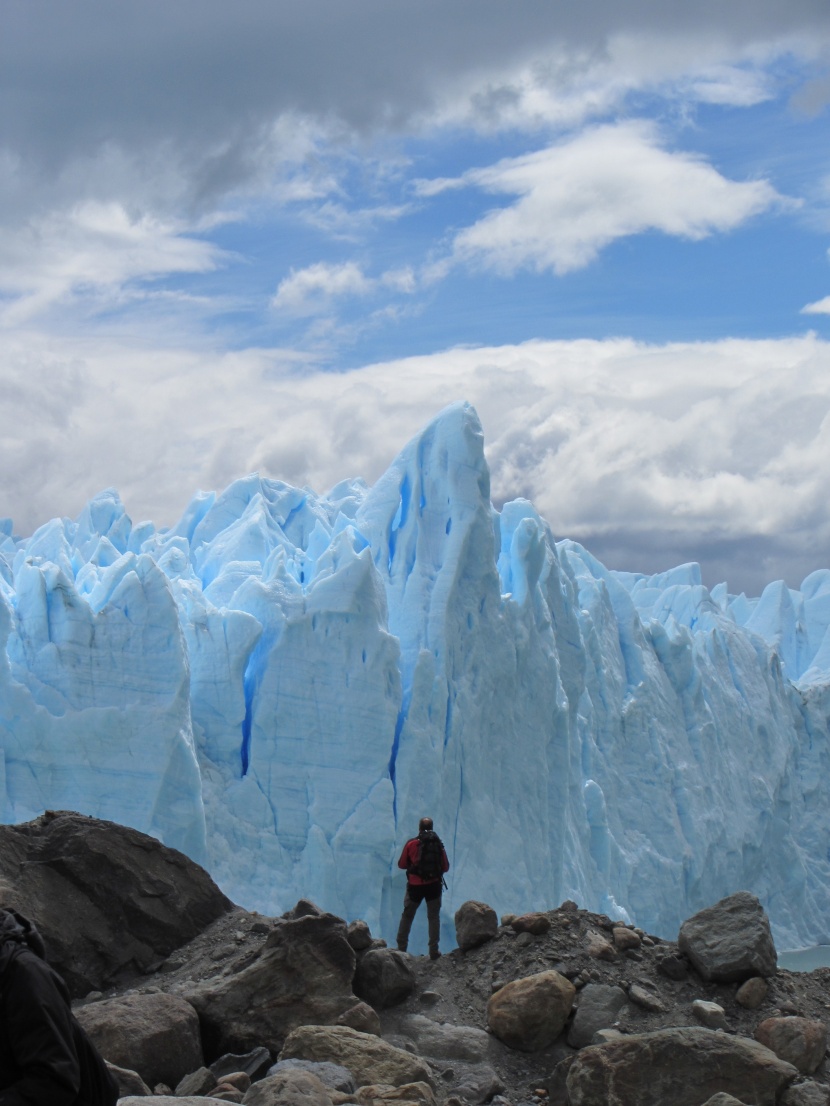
[384, 977]
[302, 976]
[110, 902]
[730, 941]
[682, 1066]
[368, 1058]
[154, 1035]
[475, 923]
[440, 1041]
[530, 1013]
[800, 1041]
[598, 1008]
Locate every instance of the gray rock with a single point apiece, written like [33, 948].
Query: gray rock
[437, 1041]
[674, 966]
[646, 999]
[302, 975]
[475, 923]
[197, 1082]
[474, 1083]
[368, 1058]
[107, 900]
[361, 1017]
[800, 1041]
[723, 1099]
[806, 1094]
[333, 1076]
[288, 1088]
[597, 1009]
[730, 941]
[682, 1066]
[359, 935]
[155, 1035]
[129, 1082]
[752, 993]
[384, 977]
[254, 1063]
[709, 1014]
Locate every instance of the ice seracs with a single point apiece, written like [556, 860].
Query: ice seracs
[283, 683]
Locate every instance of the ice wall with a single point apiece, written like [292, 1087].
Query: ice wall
[283, 683]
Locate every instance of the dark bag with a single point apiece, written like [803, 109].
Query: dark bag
[429, 865]
[98, 1085]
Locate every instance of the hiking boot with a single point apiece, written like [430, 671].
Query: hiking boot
[434, 954]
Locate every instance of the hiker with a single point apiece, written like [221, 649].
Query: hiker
[425, 860]
[46, 1059]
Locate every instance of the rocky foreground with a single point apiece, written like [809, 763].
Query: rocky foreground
[194, 1000]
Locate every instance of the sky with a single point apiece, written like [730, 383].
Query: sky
[282, 237]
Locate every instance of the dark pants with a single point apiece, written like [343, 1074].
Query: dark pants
[415, 895]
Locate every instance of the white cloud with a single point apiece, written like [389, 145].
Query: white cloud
[820, 307]
[649, 454]
[312, 291]
[577, 196]
[92, 249]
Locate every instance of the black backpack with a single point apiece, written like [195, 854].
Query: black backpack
[429, 865]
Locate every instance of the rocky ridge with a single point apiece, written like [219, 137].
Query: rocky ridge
[557, 1007]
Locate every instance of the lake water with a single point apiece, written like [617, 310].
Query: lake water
[805, 960]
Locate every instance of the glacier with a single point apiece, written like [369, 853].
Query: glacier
[283, 683]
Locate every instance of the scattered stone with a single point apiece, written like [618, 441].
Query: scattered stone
[673, 966]
[261, 929]
[569, 906]
[475, 923]
[358, 935]
[429, 998]
[682, 1066]
[475, 1083]
[709, 1014]
[598, 1008]
[302, 974]
[361, 1017]
[368, 1058]
[129, 1082]
[599, 948]
[155, 1035]
[537, 924]
[603, 1036]
[801, 1042]
[333, 1076]
[730, 941]
[198, 1082]
[225, 1092]
[806, 1094]
[646, 999]
[530, 1013]
[304, 908]
[384, 977]
[240, 1080]
[523, 940]
[162, 1089]
[752, 993]
[625, 938]
[506, 919]
[255, 1063]
[288, 1088]
[377, 1095]
[723, 1099]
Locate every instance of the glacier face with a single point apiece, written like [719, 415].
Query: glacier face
[283, 683]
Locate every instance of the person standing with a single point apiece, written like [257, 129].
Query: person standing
[424, 859]
[46, 1059]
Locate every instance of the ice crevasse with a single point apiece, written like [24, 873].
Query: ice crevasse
[283, 683]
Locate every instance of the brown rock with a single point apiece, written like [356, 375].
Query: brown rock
[599, 948]
[129, 1082]
[238, 1079]
[625, 939]
[799, 1041]
[646, 999]
[530, 1013]
[681, 1066]
[384, 977]
[110, 902]
[155, 1035]
[537, 924]
[368, 1058]
[379, 1094]
[752, 993]
[288, 1088]
[361, 1017]
[196, 1083]
[475, 923]
[302, 975]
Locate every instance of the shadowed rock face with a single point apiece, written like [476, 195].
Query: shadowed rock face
[109, 901]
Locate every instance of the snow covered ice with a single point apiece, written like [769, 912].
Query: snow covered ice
[283, 683]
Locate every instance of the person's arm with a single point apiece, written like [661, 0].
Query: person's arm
[404, 861]
[445, 862]
[39, 1032]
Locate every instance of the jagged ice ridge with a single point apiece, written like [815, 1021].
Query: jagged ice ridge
[283, 683]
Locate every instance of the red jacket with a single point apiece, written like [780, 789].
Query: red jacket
[409, 856]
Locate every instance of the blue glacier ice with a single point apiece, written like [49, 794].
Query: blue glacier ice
[281, 684]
